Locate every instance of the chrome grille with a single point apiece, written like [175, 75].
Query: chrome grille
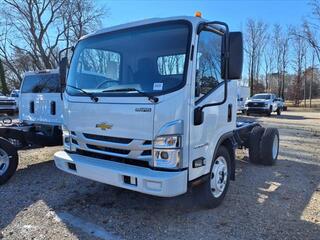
[255, 104]
[110, 146]
[107, 138]
[107, 149]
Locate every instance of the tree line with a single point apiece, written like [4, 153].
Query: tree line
[279, 59]
[284, 59]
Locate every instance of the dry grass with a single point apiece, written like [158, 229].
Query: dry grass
[315, 103]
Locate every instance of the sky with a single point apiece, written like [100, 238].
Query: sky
[234, 12]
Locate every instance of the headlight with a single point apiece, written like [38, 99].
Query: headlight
[167, 152]
[66, 138]
[167, 142]
[266, 104]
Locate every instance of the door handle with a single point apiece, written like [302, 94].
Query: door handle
[229, 112]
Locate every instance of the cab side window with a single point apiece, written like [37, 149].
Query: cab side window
[208, 73]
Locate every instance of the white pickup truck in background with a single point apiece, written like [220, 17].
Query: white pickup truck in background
[262, 103]
[8, 105]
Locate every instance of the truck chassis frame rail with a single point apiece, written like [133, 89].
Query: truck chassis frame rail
[18, 136]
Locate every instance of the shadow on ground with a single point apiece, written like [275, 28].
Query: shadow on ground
[263, 202]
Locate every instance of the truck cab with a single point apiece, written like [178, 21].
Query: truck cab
[40, 98]
[150, 106]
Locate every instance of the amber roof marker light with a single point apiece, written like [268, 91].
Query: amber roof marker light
[198, 14]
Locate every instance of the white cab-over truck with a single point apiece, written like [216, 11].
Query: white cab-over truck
[150, 106]
[40, 119]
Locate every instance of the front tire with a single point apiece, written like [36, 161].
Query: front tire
[212, 192]
[269, 112]
[8, 160]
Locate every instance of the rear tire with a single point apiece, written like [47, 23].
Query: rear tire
[212, 192]
[254, 144]
[269, 146]
[278, 111]
[8, 160]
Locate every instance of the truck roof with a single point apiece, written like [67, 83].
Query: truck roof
[263, 93]
[193, 20]
[45, 71]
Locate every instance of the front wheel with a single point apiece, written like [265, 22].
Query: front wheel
[8, 160]
[212, 192]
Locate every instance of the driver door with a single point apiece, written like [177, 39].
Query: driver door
[208, 88]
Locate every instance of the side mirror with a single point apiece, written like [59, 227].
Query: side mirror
[63, 63]
[235, 56]
[198, 116]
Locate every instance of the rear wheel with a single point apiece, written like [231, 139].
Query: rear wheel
[8, 160]
[254, 144]
[212, 192]
[278, 111]
[269, 146]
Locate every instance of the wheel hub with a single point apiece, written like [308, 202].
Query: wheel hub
[4, 161]
[219, 175]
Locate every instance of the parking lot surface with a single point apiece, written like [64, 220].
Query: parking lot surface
[278, 202]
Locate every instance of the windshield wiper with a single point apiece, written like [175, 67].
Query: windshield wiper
[149, 96]
[91, 95]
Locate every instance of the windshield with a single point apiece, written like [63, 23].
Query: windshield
[41, 83]
[264, 96]
[151, 59]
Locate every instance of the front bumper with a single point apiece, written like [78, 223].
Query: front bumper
[4, 108]
[257, 109]
[148, 181]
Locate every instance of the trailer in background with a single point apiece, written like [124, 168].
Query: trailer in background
[243, 93]
[40, 119]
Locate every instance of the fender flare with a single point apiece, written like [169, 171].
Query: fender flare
[232, 145]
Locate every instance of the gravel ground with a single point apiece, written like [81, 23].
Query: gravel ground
[278, 202]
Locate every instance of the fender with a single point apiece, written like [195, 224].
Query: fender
[231, 144]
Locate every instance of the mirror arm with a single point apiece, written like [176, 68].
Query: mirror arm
[225, 62]
[63, 50]
[218, 103]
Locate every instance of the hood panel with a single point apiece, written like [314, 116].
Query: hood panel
[120, 120]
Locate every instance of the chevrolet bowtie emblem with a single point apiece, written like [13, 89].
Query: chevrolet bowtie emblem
[104, 126]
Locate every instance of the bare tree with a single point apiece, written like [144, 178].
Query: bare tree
[79, 18]
[269, 62]
[299, 49]
[280, 45]
[255, 41]
[36, 29]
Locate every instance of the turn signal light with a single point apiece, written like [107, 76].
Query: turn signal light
[198, 14]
